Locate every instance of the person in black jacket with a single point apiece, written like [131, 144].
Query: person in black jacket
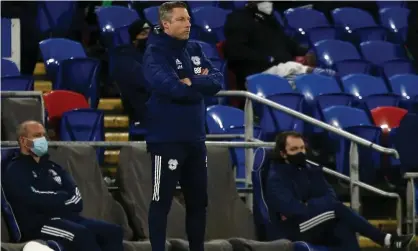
[412, 35]
[47, 202]
[304, 207]
[255, 42]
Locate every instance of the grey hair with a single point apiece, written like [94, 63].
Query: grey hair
[165, 10]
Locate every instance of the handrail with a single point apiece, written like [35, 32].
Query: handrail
[370, 189]
[312, 121]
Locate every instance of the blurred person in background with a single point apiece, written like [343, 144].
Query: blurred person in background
[256, 43]
[304, 207]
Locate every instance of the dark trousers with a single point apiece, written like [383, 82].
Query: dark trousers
[187, 164]
[81, 234]
[337, 229]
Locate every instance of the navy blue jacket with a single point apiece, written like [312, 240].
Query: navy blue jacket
[176, 112]
[298, 194]
[38, 192]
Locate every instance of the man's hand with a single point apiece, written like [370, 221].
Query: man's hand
[186, 81]
[310, 59]
[205, 71]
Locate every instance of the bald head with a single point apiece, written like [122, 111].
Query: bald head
[27, 132]
[28, 126]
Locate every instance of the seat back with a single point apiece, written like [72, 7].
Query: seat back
[98, 203]
[60, 101]
[221, 118]
[379, 52]
[134, 178]
[82, 125]
[113, 17]
[405, 85]
[208, 21]
[199, 4]
[362, 85]
[394, 18]
[312, 85]
[302, 18]
[9, 68]
[343, 116]
[80, 75]
[17, 83]
[332, 51]
[388, 117]
[56, 17]
[352, 18]
[390, 4]
[151, 14]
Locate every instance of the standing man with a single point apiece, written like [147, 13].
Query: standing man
[179, 76]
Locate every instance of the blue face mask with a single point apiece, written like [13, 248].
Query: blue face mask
[40, 146]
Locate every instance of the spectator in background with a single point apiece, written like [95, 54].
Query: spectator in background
[179, 76]
[255, 43]
[304, 206]
[46, 201]
[127, 72]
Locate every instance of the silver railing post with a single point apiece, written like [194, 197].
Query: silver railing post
[410, 206]
[249, 152]
[354, 177]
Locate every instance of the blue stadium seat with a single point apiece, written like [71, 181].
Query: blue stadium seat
[56, 17]
[261, 212]
[390, 4]
[208, 22]
[395, 19]
[321, 92]
[405, 85]
[198, 4]
[80, 75]
[391, 58]
[17, 83]
[370, 90]
[340, 55]
[310, 25]
[83, 125]
[357, 25]
[278, 90]
[229, 120]
[151, 14]
[358, 122]
[9, 68]
[114, 22]
[54, 50]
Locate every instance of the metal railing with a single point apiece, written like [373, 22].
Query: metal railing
[410, 203]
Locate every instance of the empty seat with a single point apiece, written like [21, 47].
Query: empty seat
[278, 90]
[390, 4]
[54, 50]
[310, 24]
[198, 4]
[395, 19]
[151, 14]
[80, 75]
[340, 55]
[60, 101]
[9, 68]
[388, 117]
[56, 17]
[17, 83]
[229, 120]
[355, 121]
[391, 58]
[358, 25]
[370, 90]
[208, 22]
[406, 85]
[113, 17]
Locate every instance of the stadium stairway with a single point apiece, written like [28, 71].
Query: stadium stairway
[116, 129]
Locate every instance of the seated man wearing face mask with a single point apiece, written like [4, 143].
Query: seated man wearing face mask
[255, 43]
[46, 201]
[304, 207]
[127, 72]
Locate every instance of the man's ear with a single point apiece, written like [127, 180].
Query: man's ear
[165, 24]
[282, 154]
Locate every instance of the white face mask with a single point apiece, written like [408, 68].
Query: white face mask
[265, 7]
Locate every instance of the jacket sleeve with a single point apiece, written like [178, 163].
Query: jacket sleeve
[19, 186]
[326, 200]
[237, 36]
[210, 84]
[163, 80]
[75, 201]
[281, 199]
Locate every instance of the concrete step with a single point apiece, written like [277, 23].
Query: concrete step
[43, 85]
[116, 121]
[39, 69]
[110, 104]
[111, 157]
[116, 136]
[367, 243]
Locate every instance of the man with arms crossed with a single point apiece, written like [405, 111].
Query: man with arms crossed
[179, 76]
